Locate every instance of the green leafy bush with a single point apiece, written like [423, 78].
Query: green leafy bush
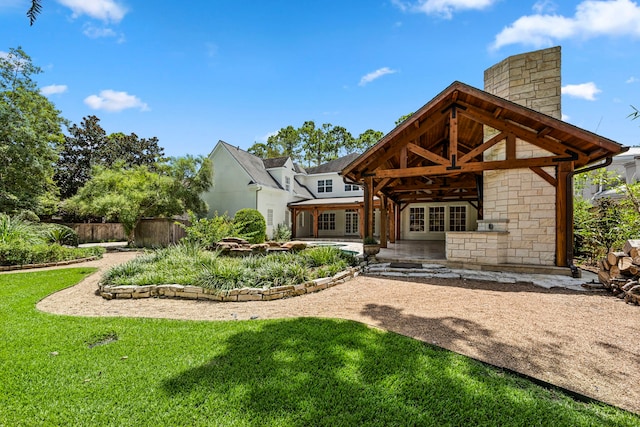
[208, 231]
[251, 225]
[282, 233]
[16, 229]
[189, 265]
[42, 253]
[60, 234]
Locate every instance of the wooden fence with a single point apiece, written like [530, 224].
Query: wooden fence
[150, 233]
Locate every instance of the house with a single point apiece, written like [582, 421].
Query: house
[500, 158]
[285, 193]
[626, 166]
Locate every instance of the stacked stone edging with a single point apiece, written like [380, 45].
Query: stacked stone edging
[233, 295]
[48, 264]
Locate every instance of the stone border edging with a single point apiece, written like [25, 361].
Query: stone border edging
[234, 295]
[48, 264]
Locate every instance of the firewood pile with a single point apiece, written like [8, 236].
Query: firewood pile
[620, 272]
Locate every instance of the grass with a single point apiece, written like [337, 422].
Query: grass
[61, 370]
[190, 265]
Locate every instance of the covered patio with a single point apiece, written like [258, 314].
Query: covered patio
[512, 165]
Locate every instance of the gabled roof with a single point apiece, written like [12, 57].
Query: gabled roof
[437, 154]
[277, 162]
[301, 190]
[253, 165]
[335, 165]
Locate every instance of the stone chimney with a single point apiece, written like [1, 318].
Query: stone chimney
[530, 79]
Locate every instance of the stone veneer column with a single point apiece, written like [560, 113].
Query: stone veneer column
[519, 196]
[530, 79]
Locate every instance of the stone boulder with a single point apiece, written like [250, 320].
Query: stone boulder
[294, 245]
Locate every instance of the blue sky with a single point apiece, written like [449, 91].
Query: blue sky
[194, 72]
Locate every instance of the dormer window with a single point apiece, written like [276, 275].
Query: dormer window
[351, 187]
[325, 186]
[287, 183]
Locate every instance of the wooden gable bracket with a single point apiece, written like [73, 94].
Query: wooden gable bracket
[482, 148]
[544, 175]
[532, 137]
[471, 167]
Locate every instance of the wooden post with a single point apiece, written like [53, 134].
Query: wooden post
[361, 222]
[368, 206]
[383, 221]
[392, 221]
[294, 223]
[564, 218]
[315, 223]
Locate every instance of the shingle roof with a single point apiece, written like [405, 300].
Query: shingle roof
[253, 165]
[334, 165]
[301, 190]
[278, 162]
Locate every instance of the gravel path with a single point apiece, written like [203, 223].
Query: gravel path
[586, 342]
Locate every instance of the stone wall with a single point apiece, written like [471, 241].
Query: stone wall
[526, 202]
[233, 295]
[477, 247]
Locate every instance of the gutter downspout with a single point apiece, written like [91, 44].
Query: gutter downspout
[575, 272]
[258, 188]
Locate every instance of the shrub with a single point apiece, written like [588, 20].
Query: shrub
[16, 229]
[282, 233]
[60, 234]
[207, 232]
[42, 253]
[250, 225]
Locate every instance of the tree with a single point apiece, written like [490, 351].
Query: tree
[34, 11]
[403, 118]
[88, 145]
[127, 195]
[367, 139]
[286, 143]
[30, 133]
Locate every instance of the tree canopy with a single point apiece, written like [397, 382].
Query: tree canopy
[314, 145]
[127, 195]
[88, 145]
[30, 134]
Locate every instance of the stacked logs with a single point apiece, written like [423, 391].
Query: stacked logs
[620, 272]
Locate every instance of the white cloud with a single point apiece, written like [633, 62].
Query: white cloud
[593, 18]
[631, 79]
[104, 10]
[53, 89]
[110, 100]
[375, 75]
[565, 118]
[443, 8]
[544, 6]
[586, 91]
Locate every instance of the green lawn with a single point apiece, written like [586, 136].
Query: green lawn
[264, 372]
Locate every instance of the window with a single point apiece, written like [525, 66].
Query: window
[436, 218]
[301, 219]
[351, 221]
[351, 187]
[287, 183]
[416, 219]
[325, 186]
[458, 218]
[269, 216]
[327, 221]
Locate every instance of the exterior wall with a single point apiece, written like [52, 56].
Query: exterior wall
[406, 234]
[530, 79]
[478, 247]
[526, 203]
[276, 200]
[230, 191]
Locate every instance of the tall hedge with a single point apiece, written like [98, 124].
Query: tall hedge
[251, 225]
